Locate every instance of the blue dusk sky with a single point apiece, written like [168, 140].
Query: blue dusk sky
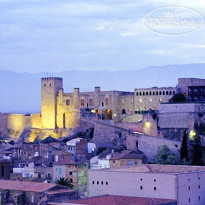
[55, 36]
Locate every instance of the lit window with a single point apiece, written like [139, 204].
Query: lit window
[140, 100]
[107, 101]
[123, 101]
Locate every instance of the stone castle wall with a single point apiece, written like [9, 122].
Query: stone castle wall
[107, 135]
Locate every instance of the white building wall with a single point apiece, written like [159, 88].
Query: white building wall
[151, 185]
[191, 188]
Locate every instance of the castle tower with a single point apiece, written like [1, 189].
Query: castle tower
[49, 90]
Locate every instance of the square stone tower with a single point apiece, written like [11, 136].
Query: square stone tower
[49, 90]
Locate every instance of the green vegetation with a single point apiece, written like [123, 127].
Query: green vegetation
[184, 149]
[65, 182]
[178, 98]
[165, 156]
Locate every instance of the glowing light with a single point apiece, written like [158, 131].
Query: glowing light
[92, 111]
[147, 124]
[115, 115]
[192, 134]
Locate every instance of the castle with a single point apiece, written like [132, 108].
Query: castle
[60, 110]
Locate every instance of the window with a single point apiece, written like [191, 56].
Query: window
[82, 102]
[44, 85]
[140, 100]
[102, 104]
[107, 101]
[163, 92]
[113, 161]
[150, 100]
[153, 93]
[129, 162]
[102, 182]
[71, 180]
[155, 180]
[106, 183]
[167, 93]
[93, 182]
[199, 198]
[141, 179]
[147, 93]
[97, 182]
[189, 188]
[189, 200]
[90, 101]
[60, 171]
[155, 188]
[135, 162]
[50, 84]
[157, 93]
[160, 92]
[199, 187]
[71, 173]
[141, 187]
[143, 93]
[67, 101]
[136, 93]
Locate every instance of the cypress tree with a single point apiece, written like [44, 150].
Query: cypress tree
[183, 149]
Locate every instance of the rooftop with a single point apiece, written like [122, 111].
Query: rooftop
[25, 186]
[156, 168]
[128, 154]
[119, 200]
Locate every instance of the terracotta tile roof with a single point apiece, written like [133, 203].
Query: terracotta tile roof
[60, 191]
[128, 154]
[25, 186]
[68, 162]
[119, 200]
[156, 168]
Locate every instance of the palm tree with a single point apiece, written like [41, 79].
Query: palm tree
[65, 182]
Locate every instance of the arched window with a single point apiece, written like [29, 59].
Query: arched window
[136, 93]
[157, 93]
[140, 93]
[167, 93]
[170, 92]
[67, 102]
[153, 93]
[160, 92]
[163, 92]
[150, 93]
[123, 111]
[173, 92]
[143, 93]
[146, 93]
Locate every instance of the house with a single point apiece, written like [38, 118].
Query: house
[185, 184]
[75, 171]
[127, 158]
[19, 192]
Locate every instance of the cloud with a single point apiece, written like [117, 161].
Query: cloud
[88, 35]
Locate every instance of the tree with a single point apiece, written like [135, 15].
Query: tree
[183, 149]
[179, 97]
[65, 182]
[196, 152]
[165, 156]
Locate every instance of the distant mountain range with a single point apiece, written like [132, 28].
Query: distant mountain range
[20, 92]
